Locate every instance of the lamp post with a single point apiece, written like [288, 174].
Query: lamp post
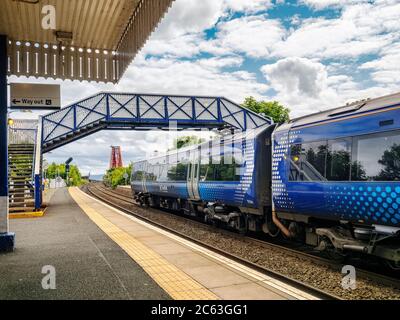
[67, 169]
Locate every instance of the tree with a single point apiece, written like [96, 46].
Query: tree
[273, 109]
[185, 141]
[54, 170]
[115, 177]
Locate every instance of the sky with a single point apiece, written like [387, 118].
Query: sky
[310, 55]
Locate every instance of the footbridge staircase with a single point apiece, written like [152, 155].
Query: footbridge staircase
[24, 166]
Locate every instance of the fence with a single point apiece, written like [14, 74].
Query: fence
[22, 132]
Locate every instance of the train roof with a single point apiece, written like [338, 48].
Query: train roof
[349, 109]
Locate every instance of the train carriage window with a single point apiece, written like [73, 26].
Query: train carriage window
[181, 171]
[206, 172]
[206, 169]
[177, 172]
[137, 176]
[308, 162]
[171, 172]
[227, 170]
[376, 157]
[163, 172]
[338, 160]
[153, 170]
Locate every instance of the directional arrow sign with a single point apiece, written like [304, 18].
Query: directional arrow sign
[35, 96]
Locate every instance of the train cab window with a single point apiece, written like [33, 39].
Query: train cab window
[295, 171]
[308, 162]
[338, 161]
[376, 157]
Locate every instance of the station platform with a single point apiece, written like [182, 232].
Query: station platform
[100, 252]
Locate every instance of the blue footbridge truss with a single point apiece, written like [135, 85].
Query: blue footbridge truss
[129, 111]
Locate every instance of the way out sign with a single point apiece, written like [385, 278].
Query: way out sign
[35, 96]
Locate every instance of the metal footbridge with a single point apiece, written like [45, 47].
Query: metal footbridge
[130, 111]
[118, 111]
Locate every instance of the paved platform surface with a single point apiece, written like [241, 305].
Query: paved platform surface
[100, 252]
[88, 264]
[183, 269]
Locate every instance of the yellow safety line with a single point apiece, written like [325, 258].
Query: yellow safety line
[24, 215]
[174, 281]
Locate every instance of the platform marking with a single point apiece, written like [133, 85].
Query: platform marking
[25, 215]
[257, 276]
[174, 281]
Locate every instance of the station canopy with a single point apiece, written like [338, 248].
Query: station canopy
[94, 40]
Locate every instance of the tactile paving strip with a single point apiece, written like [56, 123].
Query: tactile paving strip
[175, 282]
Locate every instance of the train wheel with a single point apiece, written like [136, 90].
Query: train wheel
[242, 224]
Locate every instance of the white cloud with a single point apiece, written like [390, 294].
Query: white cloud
[305, 86]
[386, 68]
[298, 76]
[323, 4]
[215, 62]
[361, 29]
[181, 33]
[248, 6]
[253, 35]
[301, 85]
[184, 46]
[193, 16]
[182, 30]
[200, 77]
[189, 16]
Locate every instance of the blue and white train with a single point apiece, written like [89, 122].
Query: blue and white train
[330, 179]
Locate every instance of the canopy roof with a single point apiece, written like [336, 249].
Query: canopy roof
[94, 40]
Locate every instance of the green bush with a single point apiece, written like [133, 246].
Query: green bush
[75, 178]
[115, 177]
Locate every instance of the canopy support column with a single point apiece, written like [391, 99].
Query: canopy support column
[6, 238]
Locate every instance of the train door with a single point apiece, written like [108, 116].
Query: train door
[193, 176]
[144, 176]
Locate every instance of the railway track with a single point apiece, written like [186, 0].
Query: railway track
[122, 202]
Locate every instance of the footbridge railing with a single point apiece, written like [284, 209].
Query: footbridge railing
[143, 112]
